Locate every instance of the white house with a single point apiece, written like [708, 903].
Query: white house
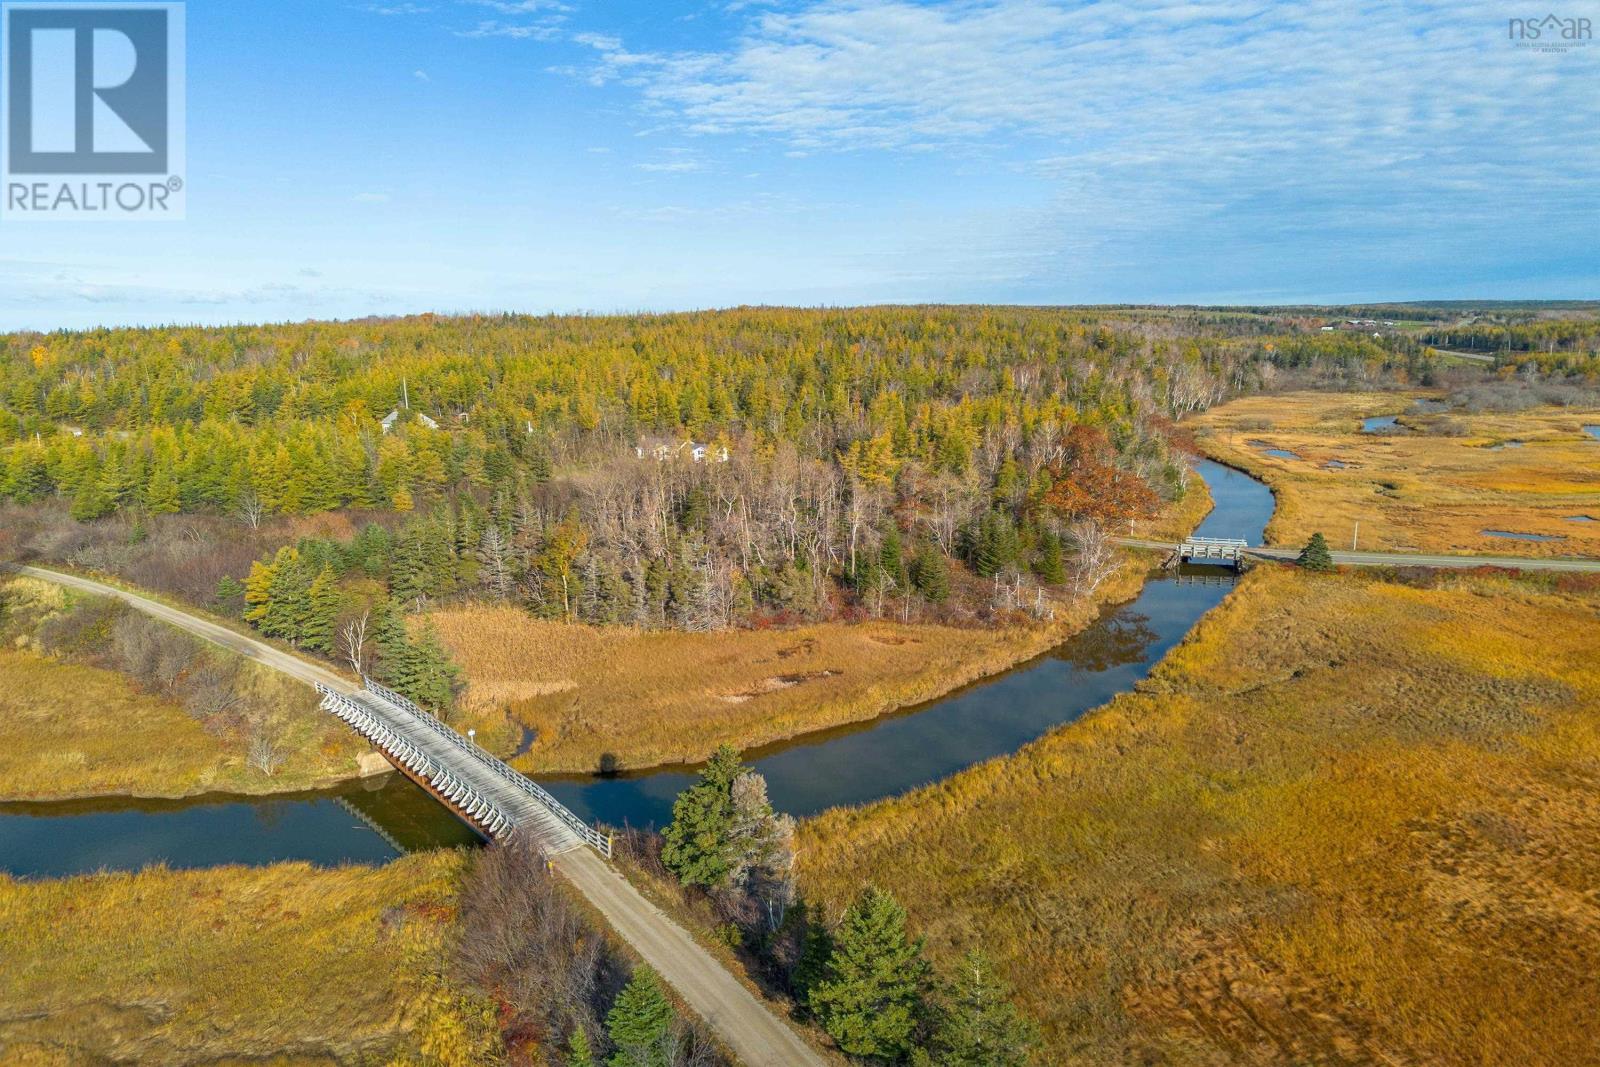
[394, 416]
[693, 451]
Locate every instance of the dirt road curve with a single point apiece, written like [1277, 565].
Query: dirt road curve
[1402, 559]
[747, 1026]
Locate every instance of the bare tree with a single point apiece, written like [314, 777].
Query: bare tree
[267, 752]
[250, 509]
[353, 641]
[1096, 559]
[211, 692]
[495, 555]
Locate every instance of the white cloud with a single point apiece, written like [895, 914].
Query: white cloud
[421, 76]
[521, 7]
[678, 166]
[1243, 119]
[371, 198]
[541, 31]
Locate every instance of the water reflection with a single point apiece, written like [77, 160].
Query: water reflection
[366, 821]
[373, 820]
[888, 756]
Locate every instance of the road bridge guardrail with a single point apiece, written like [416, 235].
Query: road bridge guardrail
[600, 842]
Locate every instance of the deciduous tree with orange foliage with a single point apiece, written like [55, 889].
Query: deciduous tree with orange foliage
[1088, 484]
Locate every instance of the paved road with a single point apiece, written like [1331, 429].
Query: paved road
[1403, 559]
[745, 1024]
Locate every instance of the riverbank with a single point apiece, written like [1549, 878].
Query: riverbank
[281, 964]
[1340, 817]
[652, 698]
[1508, 484]
[74, 722]
[647, 699]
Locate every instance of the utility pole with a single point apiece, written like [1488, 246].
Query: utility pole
[405, 395]
[1355, 536]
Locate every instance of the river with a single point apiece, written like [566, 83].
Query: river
[373, 820]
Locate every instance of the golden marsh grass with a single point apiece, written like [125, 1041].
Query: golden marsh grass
[659, 697]
[1420, 490]
[1347, 820]
[287, 964]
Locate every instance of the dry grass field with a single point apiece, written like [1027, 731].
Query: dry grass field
[1435, 486]
[659, 697]
[277, 965]
[1347, 821]
[71, 729]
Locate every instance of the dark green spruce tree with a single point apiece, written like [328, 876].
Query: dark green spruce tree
[1049, 567]
[1315, 556]
[976, 1024]
[639, 1022]
[870, 997]
[931, 575]
[699, 846]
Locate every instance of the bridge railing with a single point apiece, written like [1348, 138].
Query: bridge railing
[590, 836]
[1220, 542]
[480, 809]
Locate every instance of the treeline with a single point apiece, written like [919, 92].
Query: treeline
[709, 545]
[344, 600]
[862, 978]
[286, 419]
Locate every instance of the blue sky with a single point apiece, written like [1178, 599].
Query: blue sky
[605, 155]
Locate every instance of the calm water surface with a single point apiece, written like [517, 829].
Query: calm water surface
[374, 820]
[368, 821]
[923, 744]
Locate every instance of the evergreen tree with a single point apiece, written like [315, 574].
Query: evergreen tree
[870, 997]
[931, 574]
[816, 946]
[639, 1022]
[322, 611]
[977, 1024]
[1007, 483]
[93, 501]
[539, 466]
[997, 545]
[1050, 566]
[257, 591]
[578, 1052]
[699, 847]
[161, 495]
[288, 596]
[430, 677]
[891, 557]
[229, 590]
[393, 643]
[1315, 556]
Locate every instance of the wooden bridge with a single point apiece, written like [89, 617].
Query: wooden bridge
[1215, 551]
[487, 792]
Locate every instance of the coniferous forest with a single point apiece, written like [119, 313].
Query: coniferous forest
[692, 470]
